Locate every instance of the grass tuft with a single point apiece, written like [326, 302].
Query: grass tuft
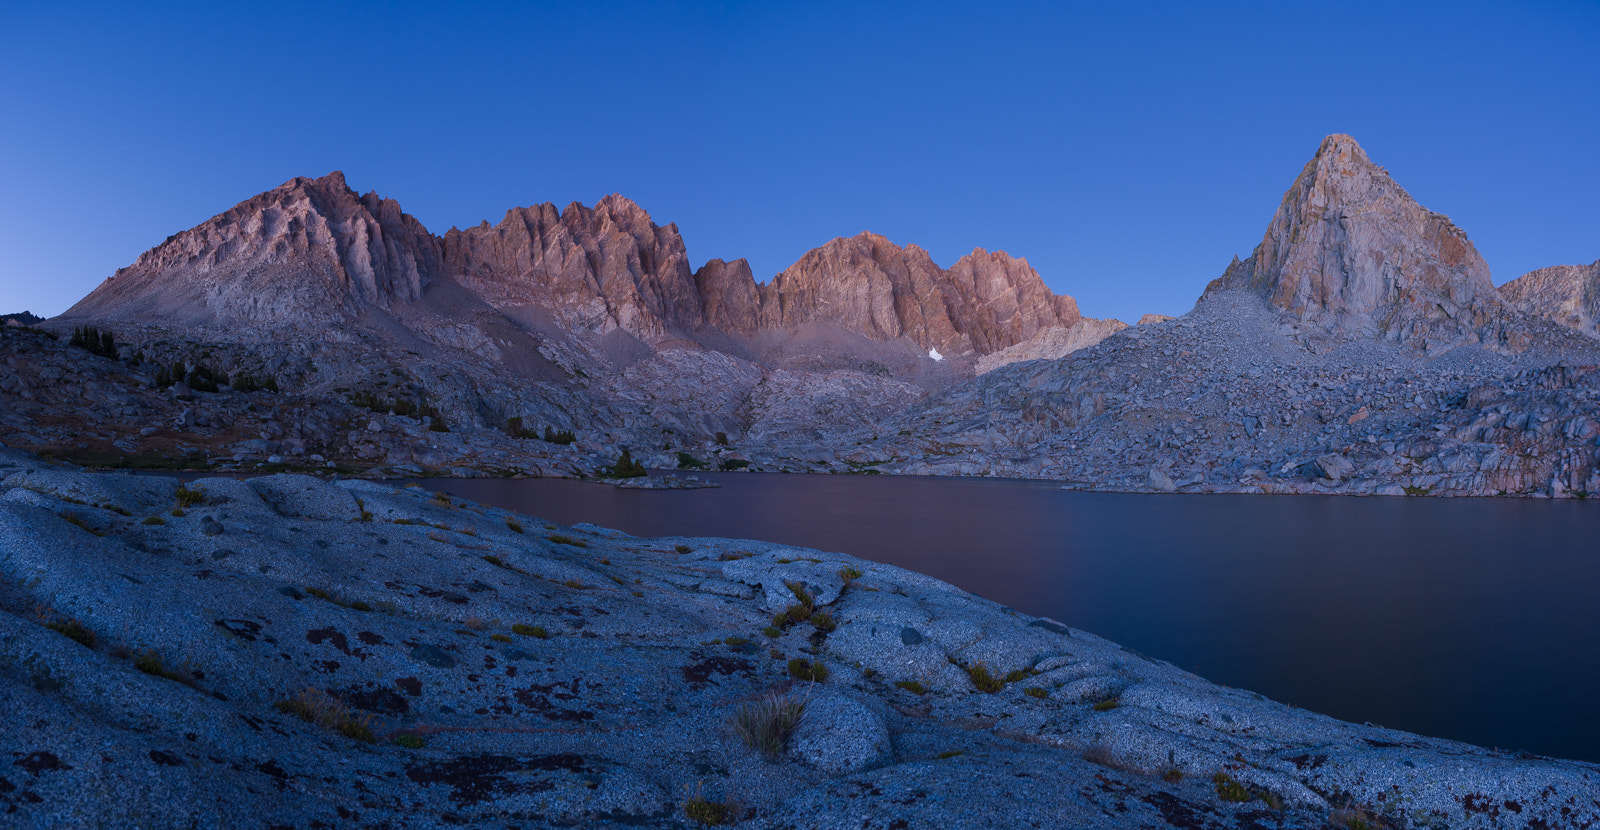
[154, 520]
[1107, 705]
[534, 631]
[514, 525]
[813, 670]
[187, 497]
[913, 686]
[150, 663]
[1036, 691]
[74, 630]
[410, 741]
[319, 707]
[983, 680]
[765, 725]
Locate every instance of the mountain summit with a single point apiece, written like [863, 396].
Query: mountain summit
[1350, 249]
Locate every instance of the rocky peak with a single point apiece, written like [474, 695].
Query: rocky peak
[1566, 294]
[309, 249]
[1348, 248]
[985, 302]
[598, 269]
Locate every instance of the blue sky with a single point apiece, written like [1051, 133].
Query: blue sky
[1127, 150]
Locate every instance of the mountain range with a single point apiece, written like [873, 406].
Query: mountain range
[592, 320]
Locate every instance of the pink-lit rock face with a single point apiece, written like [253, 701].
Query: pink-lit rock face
[308, 250]
[1349, 249]
[1565, 294]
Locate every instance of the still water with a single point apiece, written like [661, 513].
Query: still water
[1472, 619]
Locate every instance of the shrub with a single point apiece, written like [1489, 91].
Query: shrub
[562, 437]
[689, 462]
[567, 540]
[682, 548]
[850, 574]
[765, 725]
[515, 429]
[823, 621]
[711, 813]
[514, 525]
[813, 670]
[772, 631]
[187, 497]
[626, 467]
[731, 464]
[534, 631]
[318, 707]
[722, 439]
[154, 520]
[982, 679]
[94, 341]
[1229, 789]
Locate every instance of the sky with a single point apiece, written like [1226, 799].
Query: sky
[1127, 150]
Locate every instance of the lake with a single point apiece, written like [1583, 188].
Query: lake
[1471, 619]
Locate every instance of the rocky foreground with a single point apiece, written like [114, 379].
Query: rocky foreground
[287, 651]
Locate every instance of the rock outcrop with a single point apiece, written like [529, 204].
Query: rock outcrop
[1565, 294]
[1350, 250]
[285, 651]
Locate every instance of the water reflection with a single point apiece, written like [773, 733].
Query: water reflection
[1464, 618]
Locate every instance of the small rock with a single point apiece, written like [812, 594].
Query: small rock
[840, 735]
[211, 527]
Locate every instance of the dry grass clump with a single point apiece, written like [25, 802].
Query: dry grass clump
[319, 707]
[765, 725]
[567, 540]
[74, 630]
[535, 631]
[711, 813]
[150, 663]
[913, 686]
[514, 525]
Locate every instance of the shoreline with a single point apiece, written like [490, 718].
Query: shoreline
[399, 605]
